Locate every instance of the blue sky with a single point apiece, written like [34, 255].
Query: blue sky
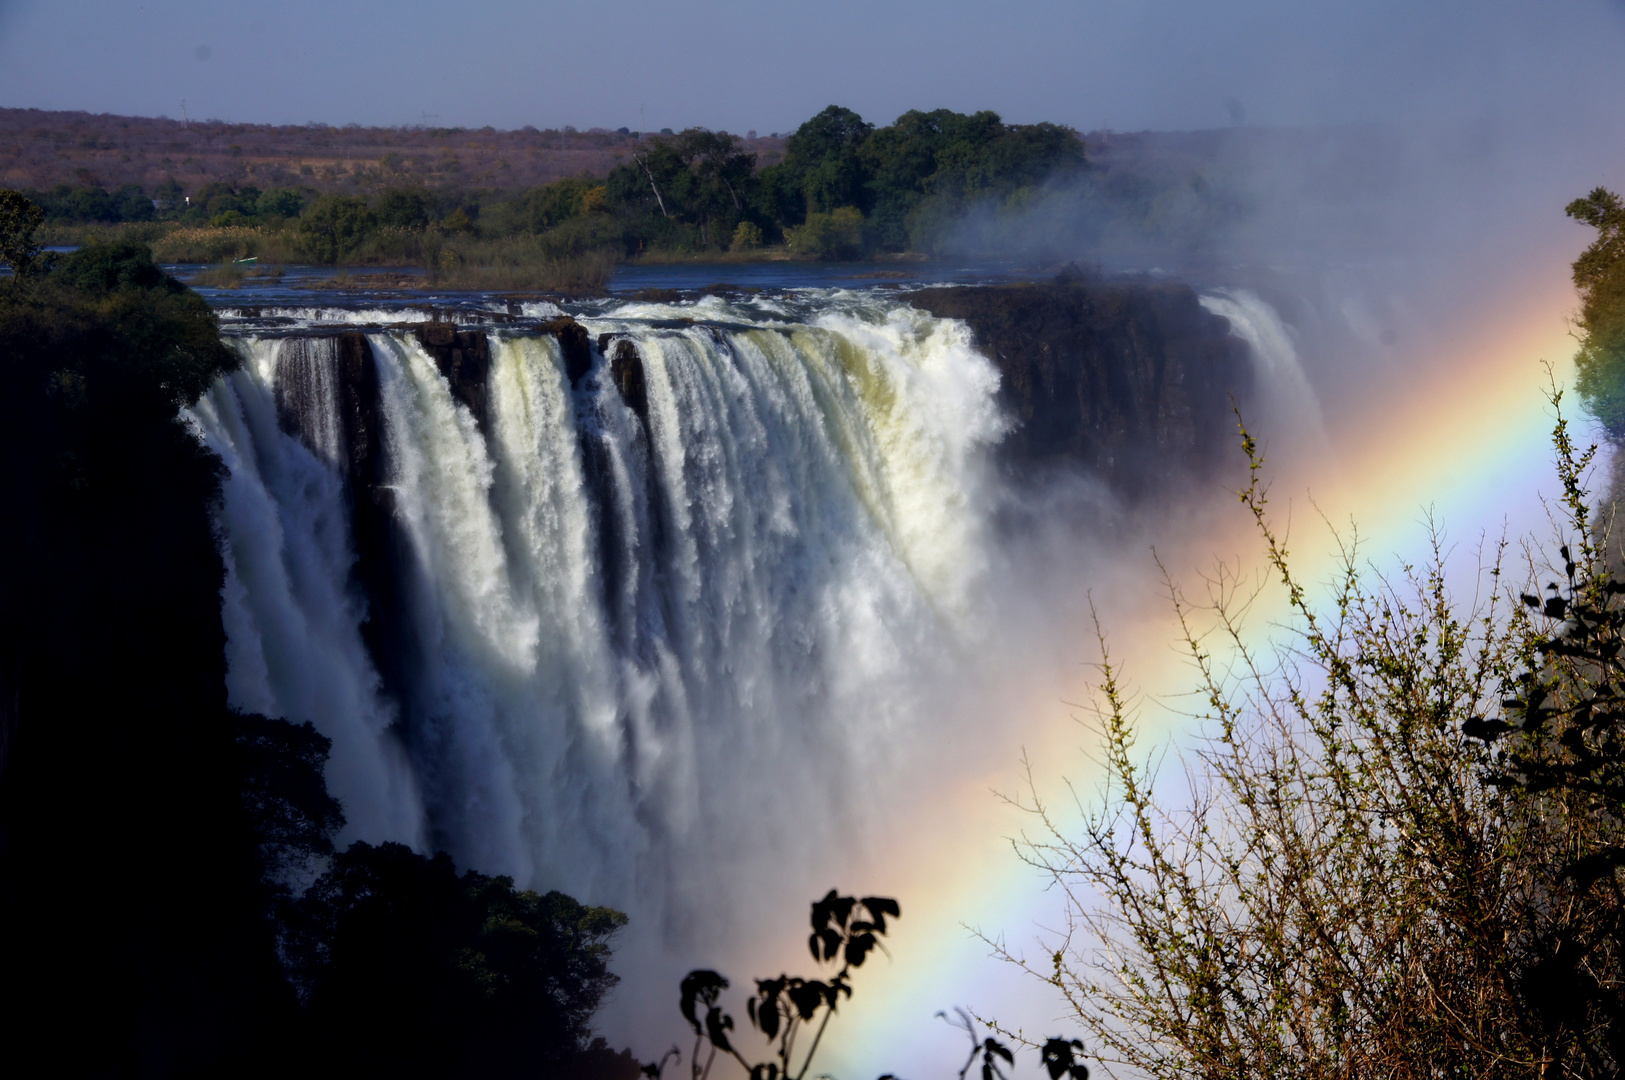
[740, 66]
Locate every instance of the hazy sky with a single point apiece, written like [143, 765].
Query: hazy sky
[1123, 64]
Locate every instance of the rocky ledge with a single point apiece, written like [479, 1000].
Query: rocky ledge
[1133, 381]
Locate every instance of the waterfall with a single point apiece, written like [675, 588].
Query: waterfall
[684, 608]
[294, 647]
[1289, 405]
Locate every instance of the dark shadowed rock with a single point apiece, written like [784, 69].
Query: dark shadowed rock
[1133, 381]
[464, 358]
[626, 370]
[574, 343]
[381, 548]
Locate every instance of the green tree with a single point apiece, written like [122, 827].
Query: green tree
[1599, 274]
[542, 208]
[687, 190]
[404, 208]
[112, 657]
[835, 235]
[412, 970]
[915, 177]
[824, 154]
[20, 219]
[334, 227]
[132, 203]
[747, 237]
[279, 203]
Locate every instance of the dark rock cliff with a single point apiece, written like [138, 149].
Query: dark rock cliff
[1131, 380]
[464, 358]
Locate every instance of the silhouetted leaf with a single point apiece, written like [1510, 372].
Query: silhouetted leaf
[1587, 871]
[1477, 727]
[1059, 1057]
[879, 907]
[807, 997]
[700, 987]
[858, 948]
[767, 1015]
[830, 940]
[654, 1068]
[717, 1026]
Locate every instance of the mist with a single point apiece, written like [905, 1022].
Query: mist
[1396, 197]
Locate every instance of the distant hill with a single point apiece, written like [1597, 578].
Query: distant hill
[40, 149]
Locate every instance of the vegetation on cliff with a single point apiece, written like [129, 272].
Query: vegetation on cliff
[1599, 274]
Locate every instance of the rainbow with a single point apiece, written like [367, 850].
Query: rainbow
[1466, 442]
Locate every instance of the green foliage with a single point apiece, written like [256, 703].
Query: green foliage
[285, 796]
[20, 219]
[822, 160]
[543, 208]
[118, 750]
[687, 191]
[916, 176]
[100, 270]
[334, 227]
[279, 203]
[404, 208]
[1560, 740]
[747, 237]
[173, 340]
[410, 969]
[1599, 274]
[835, 235]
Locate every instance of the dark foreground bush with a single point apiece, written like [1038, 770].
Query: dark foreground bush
[153, 845]
[409, 969]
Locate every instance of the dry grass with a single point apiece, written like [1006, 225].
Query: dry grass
[210, 245]
[548, 263]
[587, 272]
[231, 275]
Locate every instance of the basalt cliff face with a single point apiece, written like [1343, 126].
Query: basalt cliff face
[1131, 381]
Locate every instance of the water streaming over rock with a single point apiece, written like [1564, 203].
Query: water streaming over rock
[629, 611]
[1287, 403]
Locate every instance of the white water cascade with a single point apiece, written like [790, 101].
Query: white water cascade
[1290, 408]
[641, 643]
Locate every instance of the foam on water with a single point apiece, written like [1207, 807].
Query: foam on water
[644, 643]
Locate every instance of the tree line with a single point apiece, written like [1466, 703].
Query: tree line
[846, 189]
